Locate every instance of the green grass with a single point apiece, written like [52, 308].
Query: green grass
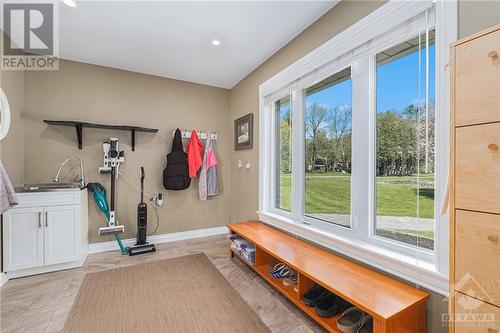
[327, 195]
[396, 196]
[420, 233]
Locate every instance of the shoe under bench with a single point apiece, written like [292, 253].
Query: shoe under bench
[396, 307]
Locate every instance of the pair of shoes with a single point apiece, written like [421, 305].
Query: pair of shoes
[314, 296]
[366, 325]
[326, 304]
[331, 306]
[279, 266]
[291, 279]
[281, 270]
[353, 320]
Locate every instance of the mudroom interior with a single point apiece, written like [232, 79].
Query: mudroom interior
[250, 166]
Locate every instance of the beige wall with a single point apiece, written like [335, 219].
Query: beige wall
[474, 16]
[98, 94]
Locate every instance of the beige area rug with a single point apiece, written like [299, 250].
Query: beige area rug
[185, 294]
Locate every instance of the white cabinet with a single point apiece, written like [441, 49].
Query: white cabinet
[23, 238]
[62, 234]
[46, 232]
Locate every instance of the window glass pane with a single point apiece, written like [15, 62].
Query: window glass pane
[284, 156]
[328, 123]
[405, 142]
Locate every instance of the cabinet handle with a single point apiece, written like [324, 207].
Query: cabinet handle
[46, 219]
[492, 54]
[492, 238]
[39, 219]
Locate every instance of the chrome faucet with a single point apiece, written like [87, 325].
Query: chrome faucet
[79, 179]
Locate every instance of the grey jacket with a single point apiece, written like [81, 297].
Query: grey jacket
[208, 183]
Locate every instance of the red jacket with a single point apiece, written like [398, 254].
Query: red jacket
[194, 152]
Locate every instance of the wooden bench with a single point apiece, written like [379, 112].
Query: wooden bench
[395, 306]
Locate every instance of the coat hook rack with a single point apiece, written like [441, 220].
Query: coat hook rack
[201, 134]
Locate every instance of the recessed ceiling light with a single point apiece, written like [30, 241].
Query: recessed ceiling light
[69, 3]
[215, 42]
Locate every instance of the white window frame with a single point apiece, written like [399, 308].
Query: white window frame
[356, 47]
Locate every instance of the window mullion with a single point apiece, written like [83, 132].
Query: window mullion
[447, 28]
[361, 146]
[298, 151]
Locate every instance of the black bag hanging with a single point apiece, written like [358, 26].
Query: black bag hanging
[176, 173]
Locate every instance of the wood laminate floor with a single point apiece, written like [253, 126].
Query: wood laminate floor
[41, 303]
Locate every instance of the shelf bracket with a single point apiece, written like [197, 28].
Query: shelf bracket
[78, 128]
[133, 139]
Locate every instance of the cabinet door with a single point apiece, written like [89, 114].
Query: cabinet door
[62, 234]
[477, 80]
[22, 238]
[477, 252]
[475, 316]
[477, 168]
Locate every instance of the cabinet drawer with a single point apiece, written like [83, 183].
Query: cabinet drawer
[478, 168]
[475, 316]
[56, 198]
[477, 80]
[477, 255]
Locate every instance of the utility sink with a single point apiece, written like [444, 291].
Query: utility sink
[47, 187]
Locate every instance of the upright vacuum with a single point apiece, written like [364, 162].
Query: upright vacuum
[142, 246]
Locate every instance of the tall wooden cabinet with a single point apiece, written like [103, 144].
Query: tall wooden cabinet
[475, 184]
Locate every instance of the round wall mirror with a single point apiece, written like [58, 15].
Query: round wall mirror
[4, 115]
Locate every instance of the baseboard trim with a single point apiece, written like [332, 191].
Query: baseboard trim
[3, 279]
[44, 269]
[159, 239]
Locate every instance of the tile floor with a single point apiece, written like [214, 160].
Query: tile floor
[41, 303]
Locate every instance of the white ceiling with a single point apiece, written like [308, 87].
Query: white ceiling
[172, 39]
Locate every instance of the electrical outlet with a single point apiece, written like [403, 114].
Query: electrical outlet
[157, 199]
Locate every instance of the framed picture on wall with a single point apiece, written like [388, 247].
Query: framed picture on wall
[243, 132]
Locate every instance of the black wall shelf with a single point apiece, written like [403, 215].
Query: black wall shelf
[79, 125]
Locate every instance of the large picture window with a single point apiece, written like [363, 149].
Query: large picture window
[405, 141]
[328, 136]
[353, 149]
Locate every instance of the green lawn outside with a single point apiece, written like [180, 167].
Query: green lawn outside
[419, 233]
[331, 193]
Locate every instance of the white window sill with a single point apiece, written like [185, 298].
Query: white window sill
[403, 266]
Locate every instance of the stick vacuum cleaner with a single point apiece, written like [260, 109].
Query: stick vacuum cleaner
[112, 159]
[142, 246]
